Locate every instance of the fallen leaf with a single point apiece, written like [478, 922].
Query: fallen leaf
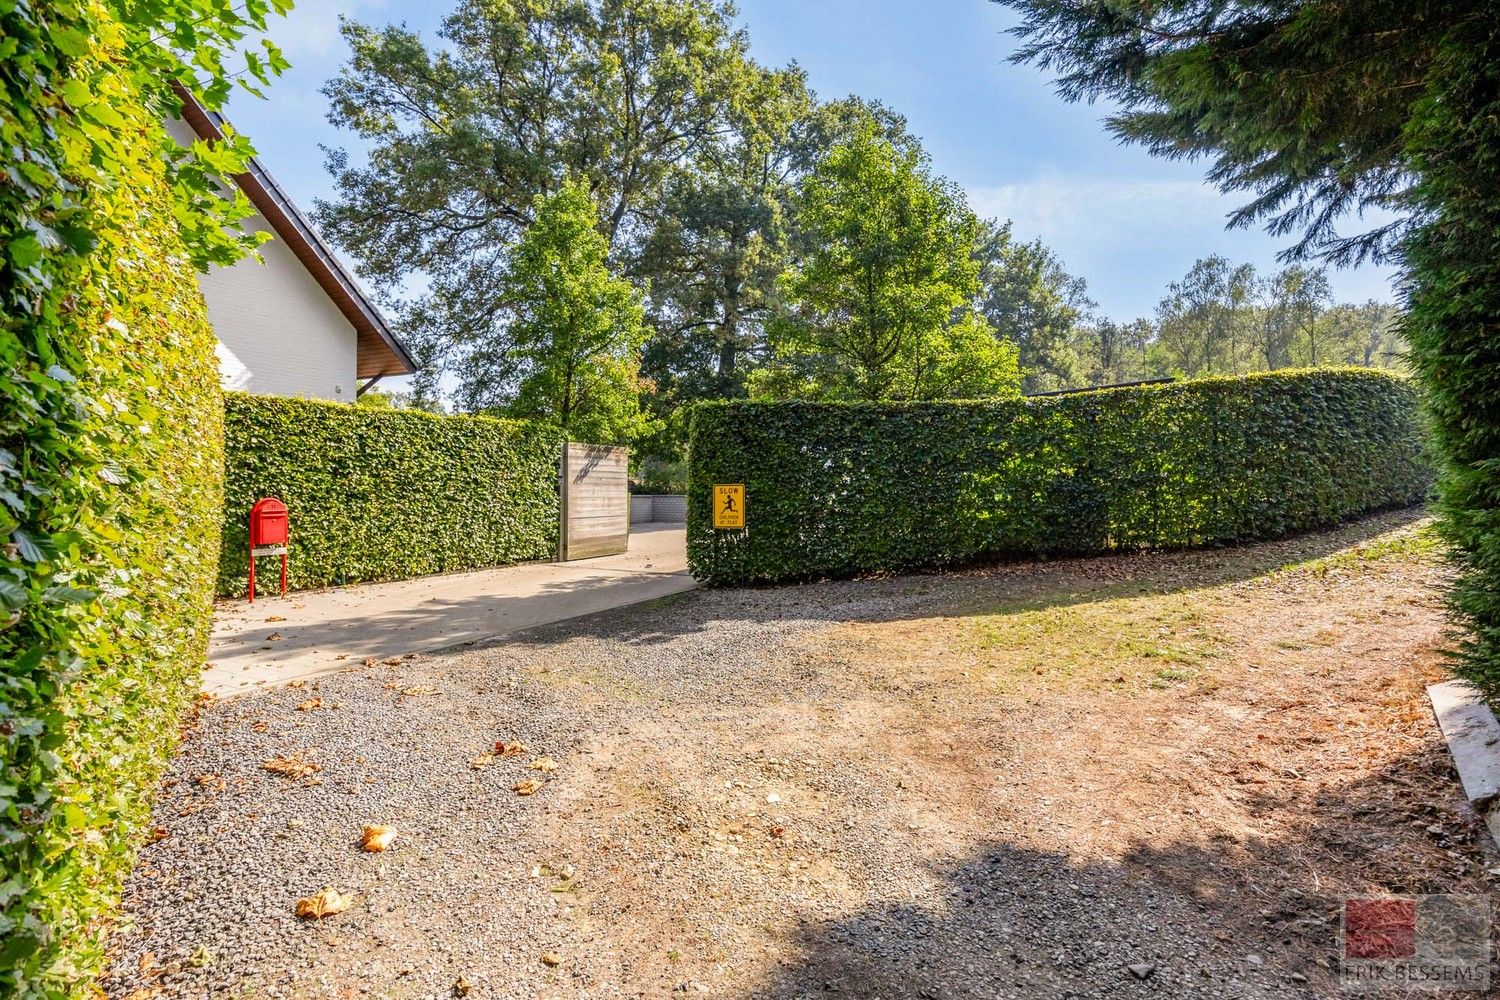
[394, 661]
[481, 761]
[462, 987]
[148, 965]
[504, 749]
[369, 661]
[276, 618]
[324, 904]
[159, 833]
[544, 764]
[292, 766]
[261, 725]
[378, 838]
[777, 831]
[342, 656]
[551, 958]
[527, 786]
[201, 957]
[296, 683]
[273, 637]
[310, 704]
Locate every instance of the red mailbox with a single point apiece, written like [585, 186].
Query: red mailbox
[269, 527]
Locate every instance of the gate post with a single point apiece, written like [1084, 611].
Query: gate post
[594, 501]
[562, 503]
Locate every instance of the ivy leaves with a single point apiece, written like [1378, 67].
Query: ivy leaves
[107, 535]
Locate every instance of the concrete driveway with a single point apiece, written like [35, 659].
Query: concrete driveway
[306, 633]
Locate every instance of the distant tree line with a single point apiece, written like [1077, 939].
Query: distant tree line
[596, 212]
[1219, 319]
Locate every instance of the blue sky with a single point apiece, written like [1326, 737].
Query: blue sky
[1125, 222]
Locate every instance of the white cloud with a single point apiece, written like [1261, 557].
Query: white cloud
[1131, 236]
[1060, 207]
[311, 30]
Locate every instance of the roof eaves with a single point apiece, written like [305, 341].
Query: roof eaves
[209, 126]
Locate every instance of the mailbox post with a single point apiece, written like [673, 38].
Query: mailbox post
[269, 524]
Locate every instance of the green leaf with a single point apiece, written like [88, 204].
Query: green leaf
[12, 594]
[25, 250]
[29, 548]
[63, 594]
[76, 93]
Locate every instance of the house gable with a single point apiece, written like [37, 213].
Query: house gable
[279, 333]
[296, 322]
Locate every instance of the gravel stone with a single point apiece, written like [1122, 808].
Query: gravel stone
[759, 793]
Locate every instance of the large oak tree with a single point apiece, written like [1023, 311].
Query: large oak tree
[464, 136]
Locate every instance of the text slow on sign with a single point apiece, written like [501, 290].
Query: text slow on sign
[729, 505]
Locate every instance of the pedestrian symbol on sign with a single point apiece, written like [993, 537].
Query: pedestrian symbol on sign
[729, 505]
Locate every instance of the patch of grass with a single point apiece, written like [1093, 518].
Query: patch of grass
[1126, 633]
[1169, 676]
[1185, 654]
[1114, 641]
[597, 681]
[1417, 542]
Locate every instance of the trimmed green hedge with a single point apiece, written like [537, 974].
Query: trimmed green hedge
[1453, 276]
[111, 471]
[837, 490]
[386, 494]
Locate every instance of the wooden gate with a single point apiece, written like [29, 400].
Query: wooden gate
[595, 499]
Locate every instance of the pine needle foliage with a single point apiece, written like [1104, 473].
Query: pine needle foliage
[1317, 110]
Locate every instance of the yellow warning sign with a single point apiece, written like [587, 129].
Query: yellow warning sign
[729, 505]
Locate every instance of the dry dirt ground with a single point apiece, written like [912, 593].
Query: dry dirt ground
[1009, 782]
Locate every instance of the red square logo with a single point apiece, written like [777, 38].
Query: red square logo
[1380, 928]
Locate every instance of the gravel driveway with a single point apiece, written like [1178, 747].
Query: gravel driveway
[1015, 782]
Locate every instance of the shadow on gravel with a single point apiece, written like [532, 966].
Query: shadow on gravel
[1214, 917]
[996, 589]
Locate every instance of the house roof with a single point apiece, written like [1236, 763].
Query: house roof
[379, 351]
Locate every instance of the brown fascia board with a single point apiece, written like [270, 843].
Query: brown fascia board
[379, 351]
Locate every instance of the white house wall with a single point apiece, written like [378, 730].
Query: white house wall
[279, 332]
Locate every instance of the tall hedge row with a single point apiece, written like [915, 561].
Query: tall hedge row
[386, 494]
[837, 490]
[110, 485]
[1453, 274]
